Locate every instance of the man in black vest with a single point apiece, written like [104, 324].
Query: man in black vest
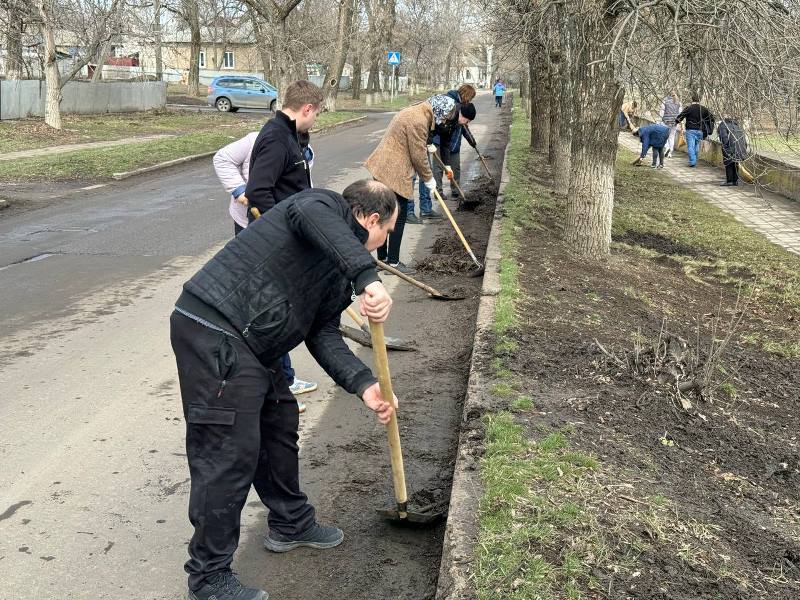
[283, 280]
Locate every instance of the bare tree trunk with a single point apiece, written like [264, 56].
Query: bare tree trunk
[263, 44]
[525, 91]
[14, 60]
[356, 80]
[553, 104]
[540, 100]
[344, 25]
[561, 138]
[590, 201]
[192, 12]
[157, 39]
[52, 105]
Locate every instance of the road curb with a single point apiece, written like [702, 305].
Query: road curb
[184, 159]
[458, 546]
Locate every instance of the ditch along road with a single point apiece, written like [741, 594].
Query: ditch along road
[93, 475]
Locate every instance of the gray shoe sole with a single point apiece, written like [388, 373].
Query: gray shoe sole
[276, 546]
[190, 595]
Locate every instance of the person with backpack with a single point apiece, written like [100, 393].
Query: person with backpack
[734, 148]
[699, 125]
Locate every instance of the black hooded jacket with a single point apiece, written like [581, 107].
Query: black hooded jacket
[286, 278]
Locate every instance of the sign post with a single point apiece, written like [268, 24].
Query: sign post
[394, 60]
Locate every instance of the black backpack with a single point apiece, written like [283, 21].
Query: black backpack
[707, 125]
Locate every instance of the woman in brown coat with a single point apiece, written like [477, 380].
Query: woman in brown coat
[403, 152]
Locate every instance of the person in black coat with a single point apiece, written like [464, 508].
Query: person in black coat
[278, 167]
[734, 148]
[283, 280]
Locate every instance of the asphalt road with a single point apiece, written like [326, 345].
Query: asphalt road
[93, 479]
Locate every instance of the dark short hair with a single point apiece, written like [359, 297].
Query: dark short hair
[695, 96]
[367, 196]
[302, 92]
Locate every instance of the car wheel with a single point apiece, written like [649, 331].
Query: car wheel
[223, 104]
[272, 105]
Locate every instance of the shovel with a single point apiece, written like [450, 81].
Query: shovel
[400, 513]
[481, 156]
[446, 211]
[461, 196]
[433, 292]
[363, 337]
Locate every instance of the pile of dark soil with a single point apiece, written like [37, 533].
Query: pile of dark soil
[448, 255]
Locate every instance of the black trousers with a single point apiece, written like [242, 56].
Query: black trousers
[731, 171]
[241, 430]
[390, 251]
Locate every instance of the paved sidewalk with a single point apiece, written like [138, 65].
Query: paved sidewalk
[774, 216]
[88, 145]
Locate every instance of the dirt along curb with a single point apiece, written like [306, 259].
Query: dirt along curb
[458, 547]
[184, 159]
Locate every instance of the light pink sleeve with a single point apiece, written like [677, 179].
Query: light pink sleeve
[232, 162]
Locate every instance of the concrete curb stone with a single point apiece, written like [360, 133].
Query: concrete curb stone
[458, 547]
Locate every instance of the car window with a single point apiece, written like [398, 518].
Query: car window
[253, 85]
[234, 83]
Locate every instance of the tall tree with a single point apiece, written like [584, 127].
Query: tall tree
[16, 25]
[54, 79]
[343, 32]
[276, 13]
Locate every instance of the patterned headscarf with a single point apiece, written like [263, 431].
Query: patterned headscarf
[442, 107]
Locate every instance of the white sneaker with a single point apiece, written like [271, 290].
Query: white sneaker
[302, 387]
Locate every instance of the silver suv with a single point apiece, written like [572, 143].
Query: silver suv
[229, 93]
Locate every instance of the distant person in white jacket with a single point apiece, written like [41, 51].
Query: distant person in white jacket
[232, 165]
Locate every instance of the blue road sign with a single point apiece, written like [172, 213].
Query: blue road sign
[394, 58]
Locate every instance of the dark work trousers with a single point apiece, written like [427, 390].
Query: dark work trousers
[498, 101]
[241, 430]
[286, 361]
[390, 251]
[658, 156]
[731, 171]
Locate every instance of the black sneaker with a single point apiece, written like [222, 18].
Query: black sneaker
[225, 586]
[413, 219]
[319, 536]
[403, 268]
[432, 215]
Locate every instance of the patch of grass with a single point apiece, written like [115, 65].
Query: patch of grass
[522, 403]
[100, 163]
[728, 251]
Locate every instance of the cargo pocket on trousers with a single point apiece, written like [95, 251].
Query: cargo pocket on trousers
[209, 429]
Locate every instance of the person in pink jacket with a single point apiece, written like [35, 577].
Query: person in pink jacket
[232, 165]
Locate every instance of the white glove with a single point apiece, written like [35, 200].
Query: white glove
[432, 148]
[431, 184]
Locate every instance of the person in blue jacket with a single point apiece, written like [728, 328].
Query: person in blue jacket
[653, 136]
[499, 92]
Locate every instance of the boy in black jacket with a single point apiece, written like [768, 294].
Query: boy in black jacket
[284, 279]
[278, 167]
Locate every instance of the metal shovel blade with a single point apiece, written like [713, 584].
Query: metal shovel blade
[426, 516]
[361, 337]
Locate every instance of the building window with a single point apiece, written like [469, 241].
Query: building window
[227, 60]
[202, 59]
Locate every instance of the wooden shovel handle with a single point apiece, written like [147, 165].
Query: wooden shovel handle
[408, 278]
[385, 381]
[458, 187]
[446, 211]
[355, 316]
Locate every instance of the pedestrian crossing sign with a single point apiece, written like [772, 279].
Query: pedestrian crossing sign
[394, 58]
